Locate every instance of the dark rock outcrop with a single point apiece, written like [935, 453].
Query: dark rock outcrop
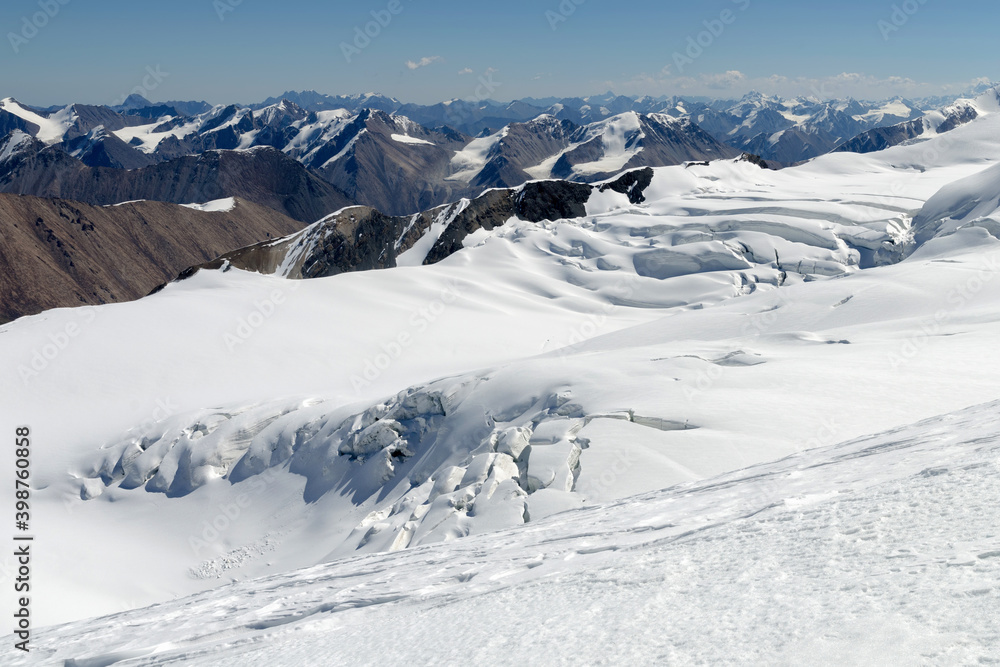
[882, 138]
[552, 200]
[361, 238]
[633, 184]
[887, 137]
[391, 163]
[754, 159]
[9, 122]
[264, 176]
[100, 149]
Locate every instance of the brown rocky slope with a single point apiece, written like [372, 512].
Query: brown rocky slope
[59, 253]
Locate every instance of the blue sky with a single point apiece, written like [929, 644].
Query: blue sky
[96, 51]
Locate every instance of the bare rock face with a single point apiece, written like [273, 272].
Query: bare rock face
[885, 137]
[754, 159]
[58, 253]
[632, 184]
[393, 164]
[361, 238]
[361, 241]
[100, 149]
[491, 210]
[881, 138]
[263, 176]
[67, 253]
[9, 123]
[523, 146]
[306, 163]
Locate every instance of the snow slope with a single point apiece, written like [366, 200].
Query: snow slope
[619, 137]
[17, 140]
[218, 205]
[51, 128]
[235, 426]
[961, 111]
[147, 138]
[405, 139]
[971, 201]
[469, 161]
[844, 554]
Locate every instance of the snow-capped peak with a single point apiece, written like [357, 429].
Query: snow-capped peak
[15, 141]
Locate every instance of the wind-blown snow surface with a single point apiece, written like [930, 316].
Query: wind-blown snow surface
[877, 551]
[235, 425]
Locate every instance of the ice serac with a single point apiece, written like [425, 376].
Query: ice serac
[970, 202]
[835, 526]
[450, 458]
[708, 318]
[361, 238]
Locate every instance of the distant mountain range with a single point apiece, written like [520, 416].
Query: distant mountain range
[929, 125]
[306, 154]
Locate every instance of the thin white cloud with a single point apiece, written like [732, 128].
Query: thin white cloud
[735, 83]
[424, 62]
[723, 81]
[467, 70]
